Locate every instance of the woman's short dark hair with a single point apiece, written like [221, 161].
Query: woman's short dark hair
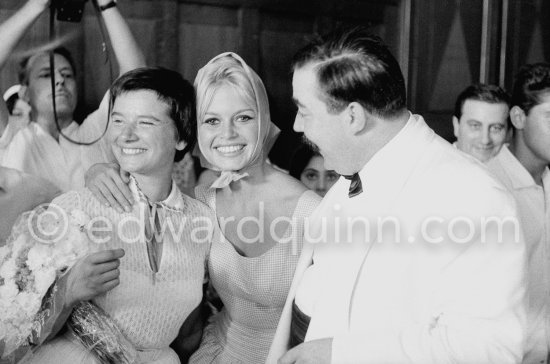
[170, 88]
[532, 81]
[355, 66]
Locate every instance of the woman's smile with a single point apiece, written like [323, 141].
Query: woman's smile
[133, 151]
[230, 149]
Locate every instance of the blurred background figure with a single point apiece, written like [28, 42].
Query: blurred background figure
[19, 109]
[19, 113]
[309, 167]
[20, 192]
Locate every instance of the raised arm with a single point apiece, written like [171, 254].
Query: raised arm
[127, 52]
[13, 29]
[11, 32]
[129, 56]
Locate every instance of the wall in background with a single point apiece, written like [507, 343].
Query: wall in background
[455, 43]
[442, 46]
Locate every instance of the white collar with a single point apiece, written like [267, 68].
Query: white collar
[173, 202]
[396, 159]
[519, 176]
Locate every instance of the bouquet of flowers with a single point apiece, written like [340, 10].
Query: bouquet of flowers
[43, 244]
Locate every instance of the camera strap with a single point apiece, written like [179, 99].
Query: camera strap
[105, 50]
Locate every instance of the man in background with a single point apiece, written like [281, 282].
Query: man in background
[480, 120]
[522, 167]
[39, 148]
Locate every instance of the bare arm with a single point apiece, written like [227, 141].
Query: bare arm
[129, 56]
[13, 29]
[127, 52]
[11, 32]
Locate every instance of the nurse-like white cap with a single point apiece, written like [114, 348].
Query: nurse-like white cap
[11, 91]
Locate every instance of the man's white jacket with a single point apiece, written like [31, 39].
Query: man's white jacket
[426, 265]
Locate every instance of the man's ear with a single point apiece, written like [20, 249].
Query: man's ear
[356, 117]
[456, 126]
[518, 117]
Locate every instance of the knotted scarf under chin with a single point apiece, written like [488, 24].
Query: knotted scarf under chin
[226, 177]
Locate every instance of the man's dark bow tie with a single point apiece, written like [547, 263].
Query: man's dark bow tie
[355, 186]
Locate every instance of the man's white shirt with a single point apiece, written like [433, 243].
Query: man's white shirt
[534, 209]
[33, 150]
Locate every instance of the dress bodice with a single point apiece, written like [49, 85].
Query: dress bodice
[148, 307]
[252, 289]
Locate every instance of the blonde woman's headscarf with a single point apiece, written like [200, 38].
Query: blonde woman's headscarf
[267, 131]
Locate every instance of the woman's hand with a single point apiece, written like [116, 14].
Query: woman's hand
[93, 275]
[109, 184]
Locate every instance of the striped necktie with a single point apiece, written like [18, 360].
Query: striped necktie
[355, 186]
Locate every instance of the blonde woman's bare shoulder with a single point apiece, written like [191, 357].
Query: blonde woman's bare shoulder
[287, 184]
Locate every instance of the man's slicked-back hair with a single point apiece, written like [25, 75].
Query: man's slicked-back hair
[531, 82]
[172, 89]
[491, 94]
[25, 63]
[355, 66]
